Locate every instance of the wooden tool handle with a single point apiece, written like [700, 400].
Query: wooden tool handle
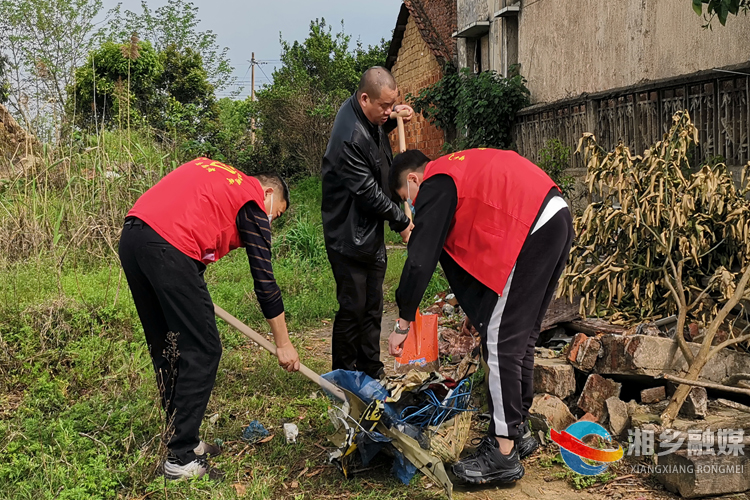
[270, 347]
[403, 114]
[401, 135]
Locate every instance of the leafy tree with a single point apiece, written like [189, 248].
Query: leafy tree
[373, 55]
[174, 25]
[479, 108]
[233, 137]
[720, 9]
[554, 159]
[102, 92]
[4, 83]
[295, 113]
[184, 76]
[169, 91]
[44, 41]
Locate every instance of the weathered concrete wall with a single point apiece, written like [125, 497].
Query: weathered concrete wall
[471, 11]
[568, 48]
[415, 69]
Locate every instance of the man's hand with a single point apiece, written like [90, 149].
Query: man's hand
[396, 343]
[404, 107]
[285, 351]
[288, 357]
[396, 340]
[406, 233]
[466, 327]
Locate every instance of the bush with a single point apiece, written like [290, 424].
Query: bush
[554, 158]
[478, 109]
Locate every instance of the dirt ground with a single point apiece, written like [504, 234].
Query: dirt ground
[539, 482]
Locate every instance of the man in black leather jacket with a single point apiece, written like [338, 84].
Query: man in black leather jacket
[356, 203]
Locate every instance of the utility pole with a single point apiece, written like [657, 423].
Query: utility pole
[252, 77]
[252, 96]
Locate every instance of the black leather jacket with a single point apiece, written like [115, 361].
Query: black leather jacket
[356, 200]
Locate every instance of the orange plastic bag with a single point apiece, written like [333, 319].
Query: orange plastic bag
[421, 346]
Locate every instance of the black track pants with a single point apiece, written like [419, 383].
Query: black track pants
[170, 295]
[514, 323]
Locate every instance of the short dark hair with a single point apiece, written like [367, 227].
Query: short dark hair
[275, 180]
[409, 161]
[373, 80]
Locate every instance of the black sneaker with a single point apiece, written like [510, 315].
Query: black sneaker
[526, 443]
[488, 465]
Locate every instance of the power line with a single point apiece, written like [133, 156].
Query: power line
[264, 73]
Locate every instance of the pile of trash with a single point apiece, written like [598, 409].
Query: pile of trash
[416, 414]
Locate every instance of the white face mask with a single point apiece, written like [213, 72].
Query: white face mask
[270, 216]
[409, 200]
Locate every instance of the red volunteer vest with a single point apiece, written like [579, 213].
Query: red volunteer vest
[195, 207]
[499, 196]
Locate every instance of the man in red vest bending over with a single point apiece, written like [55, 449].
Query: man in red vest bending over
[502, 232]
[192, 217]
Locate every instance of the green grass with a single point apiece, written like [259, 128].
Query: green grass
[79, 417]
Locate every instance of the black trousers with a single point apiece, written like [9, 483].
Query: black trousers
[356, 329]
[170, 295]
[514, 323]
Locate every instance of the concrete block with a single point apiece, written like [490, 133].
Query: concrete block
[705, 475]
[596, 391]
[616, 416]
[554, 376]
[550, 412]
[652, 356]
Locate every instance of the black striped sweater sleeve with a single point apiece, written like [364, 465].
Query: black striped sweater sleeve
[255, 232]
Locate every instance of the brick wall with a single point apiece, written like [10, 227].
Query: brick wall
[415, 69]
[437, 21]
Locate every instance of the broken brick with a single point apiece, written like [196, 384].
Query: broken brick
[696, 404]
[551, 413]
[584, 352]
[653, 395]
[575, 344]
[596, 391]
[653, 356]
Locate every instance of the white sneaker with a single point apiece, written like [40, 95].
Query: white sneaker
[196, 468]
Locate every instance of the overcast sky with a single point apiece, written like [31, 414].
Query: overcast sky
[251, 25]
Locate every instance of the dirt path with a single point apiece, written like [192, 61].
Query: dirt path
[539, 482]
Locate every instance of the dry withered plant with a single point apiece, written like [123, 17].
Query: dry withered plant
[664, 241]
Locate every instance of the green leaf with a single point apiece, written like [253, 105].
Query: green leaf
[723, 13]
[698, 7]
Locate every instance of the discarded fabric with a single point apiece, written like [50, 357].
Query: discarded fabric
[255, 432]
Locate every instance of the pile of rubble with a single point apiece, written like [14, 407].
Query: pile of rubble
[618, 378]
